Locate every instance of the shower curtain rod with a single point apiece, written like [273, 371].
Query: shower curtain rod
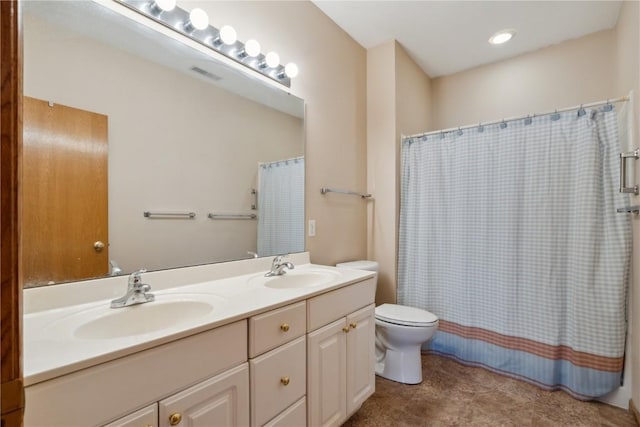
[510, 119]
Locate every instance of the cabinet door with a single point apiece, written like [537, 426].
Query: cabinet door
[326, 372]
[220, 401]
[145, 417]
[361, 378]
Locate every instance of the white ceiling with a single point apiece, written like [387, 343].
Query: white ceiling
[445, 37]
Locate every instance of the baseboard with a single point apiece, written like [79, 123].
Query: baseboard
[634, 411]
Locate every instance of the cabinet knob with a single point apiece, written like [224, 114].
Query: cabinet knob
[346, 329]
[174, 419]
[284, 327]
[353, 325]
[284, 380]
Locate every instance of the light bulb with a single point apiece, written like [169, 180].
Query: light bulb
[291, 70]
[502, 36]
[228, 34]
[272, 59]
[199, 19]
[252, 48]
[166, 5]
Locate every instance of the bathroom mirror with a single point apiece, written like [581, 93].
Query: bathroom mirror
[176, 134]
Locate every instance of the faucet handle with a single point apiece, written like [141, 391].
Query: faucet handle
[134, 278]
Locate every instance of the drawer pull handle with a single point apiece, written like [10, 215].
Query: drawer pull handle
[174, 419]
[284, 327]
[284, 380]
[346, 329]
[353, 325]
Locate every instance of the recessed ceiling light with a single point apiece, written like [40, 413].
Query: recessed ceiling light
[502, 36]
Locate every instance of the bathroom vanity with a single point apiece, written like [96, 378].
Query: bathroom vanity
[242, 349]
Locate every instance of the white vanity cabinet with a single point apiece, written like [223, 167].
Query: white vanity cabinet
[341, 353]
[308, 361]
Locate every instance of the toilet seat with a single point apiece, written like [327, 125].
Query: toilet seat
[405, 316]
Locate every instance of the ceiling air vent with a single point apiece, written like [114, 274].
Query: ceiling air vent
[205, 73]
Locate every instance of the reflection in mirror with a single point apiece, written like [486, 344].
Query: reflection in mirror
[120, 120]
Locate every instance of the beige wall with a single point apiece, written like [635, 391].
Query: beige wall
[176, 143]
[627, 78]
[381, 165]
[332, 81]
[398, 102]
[570, 73]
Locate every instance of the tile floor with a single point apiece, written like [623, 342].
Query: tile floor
[456, 395]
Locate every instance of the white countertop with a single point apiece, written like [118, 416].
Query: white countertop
[51, 349]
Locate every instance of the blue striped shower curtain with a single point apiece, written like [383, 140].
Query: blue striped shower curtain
[281, 207]
[510, 236]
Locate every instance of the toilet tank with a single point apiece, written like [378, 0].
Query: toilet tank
[360, 265]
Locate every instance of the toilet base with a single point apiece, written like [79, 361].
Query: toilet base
[401, 366]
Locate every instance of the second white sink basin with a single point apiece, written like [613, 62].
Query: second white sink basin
[168, 311]
[296, 279]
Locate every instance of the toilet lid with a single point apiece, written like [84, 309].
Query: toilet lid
[404, 315]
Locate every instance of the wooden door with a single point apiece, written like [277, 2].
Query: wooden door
[11, 391]
[361, 358]
[64, 193]
[220, 401]
[326, 375]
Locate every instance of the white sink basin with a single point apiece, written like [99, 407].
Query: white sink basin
[296, 279]
[168, 311]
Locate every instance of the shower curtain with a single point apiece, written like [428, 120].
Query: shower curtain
[509, 234]
[281, 207]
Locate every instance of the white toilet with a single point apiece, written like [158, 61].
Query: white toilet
[400, 333]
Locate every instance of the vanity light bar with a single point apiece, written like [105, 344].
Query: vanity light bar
[179, 20]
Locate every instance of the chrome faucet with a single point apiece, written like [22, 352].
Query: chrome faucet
[137, 292]
[278, 266]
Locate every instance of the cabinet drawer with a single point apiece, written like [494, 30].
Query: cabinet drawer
[326, 308]
[295, 415]
[278, 379]
[269, 330]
